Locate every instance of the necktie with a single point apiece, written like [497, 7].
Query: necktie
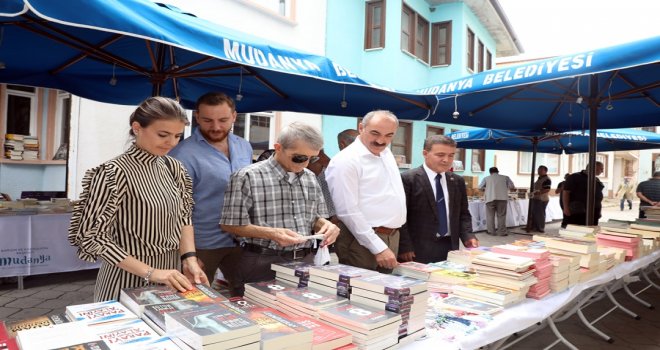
[440, 207]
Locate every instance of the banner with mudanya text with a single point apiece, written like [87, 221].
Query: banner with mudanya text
[37, 244]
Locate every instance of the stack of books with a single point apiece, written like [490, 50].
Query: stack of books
[652, 214]
[399, 294]
[632, 243]
[295, 272]
[265, 293]
[134, 334]
[336, 279]
[213, 327]
[464, 256]
[542, 266]
[415, 270]
[371, 328]
[459, 303]
[56, 336]
[30, 147]
[510, 272]
[582, 233]
[560, 272]
[278, 331]
[650, 234]
[447, 275]
[136, 299]
[14, 146]
[306, 301]
[9, 329]
[585, 251]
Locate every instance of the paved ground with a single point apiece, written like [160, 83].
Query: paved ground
[48, 294]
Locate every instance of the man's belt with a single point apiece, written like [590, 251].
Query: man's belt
[295, 254]
[382, 230]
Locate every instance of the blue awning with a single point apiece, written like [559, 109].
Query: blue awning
[557, 94]
[124, 51]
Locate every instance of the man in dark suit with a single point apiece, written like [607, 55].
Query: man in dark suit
[436, 200]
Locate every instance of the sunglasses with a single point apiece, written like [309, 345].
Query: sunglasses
[299, 158]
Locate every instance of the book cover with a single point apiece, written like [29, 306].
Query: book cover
[293, 268]
[161, 343]
[12, 327]
[310, 299]
[208, 324]
[55, 336]
[340, 272]
[267, 288]
[156, 313]
[359, 316]
[130, 332]
[390, 284]
[278, 330]
[101, 312]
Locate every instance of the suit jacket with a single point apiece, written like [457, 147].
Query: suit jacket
[418, 234]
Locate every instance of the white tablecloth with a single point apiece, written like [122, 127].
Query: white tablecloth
[530, 311]
[37, 244]
[516, 213]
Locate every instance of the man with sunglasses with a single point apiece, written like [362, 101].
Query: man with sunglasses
[368, 194]
[274, 204]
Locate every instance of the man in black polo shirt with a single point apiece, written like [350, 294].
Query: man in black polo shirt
[273, 204]
[649, 193]
[574, 197]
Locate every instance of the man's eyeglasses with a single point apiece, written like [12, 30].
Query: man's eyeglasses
[299, 158]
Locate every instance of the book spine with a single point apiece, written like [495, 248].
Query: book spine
[396, 292]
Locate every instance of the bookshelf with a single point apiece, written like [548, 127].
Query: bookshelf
[32, 162]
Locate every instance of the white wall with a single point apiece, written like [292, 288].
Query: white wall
[99, 132]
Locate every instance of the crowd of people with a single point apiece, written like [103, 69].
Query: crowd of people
[173, 212]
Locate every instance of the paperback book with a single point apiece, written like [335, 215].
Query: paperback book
[98, 313]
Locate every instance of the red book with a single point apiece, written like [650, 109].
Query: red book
[620, 238]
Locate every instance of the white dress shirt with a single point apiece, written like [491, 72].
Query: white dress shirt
[367, 192]
[443, 182]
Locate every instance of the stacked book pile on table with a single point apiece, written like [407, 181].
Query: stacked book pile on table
[336, 279]
[585, 251]
[295, 272]
[21, 147]
[265, 293]
[542, 266]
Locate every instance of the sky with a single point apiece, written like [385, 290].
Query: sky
[558, 27]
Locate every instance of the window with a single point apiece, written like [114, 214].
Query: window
[549, 160]
[655, 162]
[470, 50]
[478, 160]
[401, 143]
[279, 7]
[441, 47]
[414, 34]
[255, 128]
[422, 39]
[62, 118]
[21, 110]
[407, 29]
[434, 130]
[579, 162]
[374, 33]
[459, 160]
[480, 57]
[489, 60]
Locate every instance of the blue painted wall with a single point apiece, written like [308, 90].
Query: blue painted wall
[15, 178]
[392, 67]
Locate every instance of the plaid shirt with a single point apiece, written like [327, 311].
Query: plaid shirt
[261, 194]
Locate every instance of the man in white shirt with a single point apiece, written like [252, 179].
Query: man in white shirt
[496, 189]
[368, 194]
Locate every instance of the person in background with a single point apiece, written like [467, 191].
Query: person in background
[346, 137]
[540, 199]
[367, 191]
[560, 191]
[141, 229]
[625, 193]
[211, 154]
[574, 196]
[437, 206]
[649, 193]
[273, 204]
[496, 196]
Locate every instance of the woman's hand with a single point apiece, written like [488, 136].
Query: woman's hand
[193, 271]
[171, 278]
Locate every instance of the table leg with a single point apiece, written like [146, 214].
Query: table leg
[20, 283]
[615, 302]
[560, 337]
[648, 279]
[635, 297]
